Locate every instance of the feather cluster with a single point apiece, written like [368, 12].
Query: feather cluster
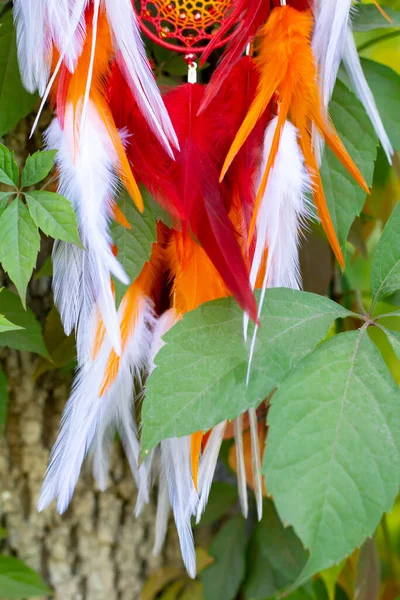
[234, 163]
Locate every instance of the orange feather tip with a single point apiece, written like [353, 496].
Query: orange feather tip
[120, 218]
[196, 440]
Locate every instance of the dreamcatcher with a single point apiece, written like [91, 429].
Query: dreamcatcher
[234, 164]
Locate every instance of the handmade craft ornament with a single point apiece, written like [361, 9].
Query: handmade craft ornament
[287, 69]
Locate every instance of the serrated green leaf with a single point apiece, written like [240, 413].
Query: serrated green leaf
[134, 245]
[4, 198]
[19, 581]
[3, 401]
[8, 167]
[223, 578]
[222, 497]
[367, 17]
[385, 267]
[385, 86]
[37, 167]
[344, 197]
[19, 245]
[15, 101]
[201, 371]
[29, 338]
[275, 558]
[332, 461]
[54, 215]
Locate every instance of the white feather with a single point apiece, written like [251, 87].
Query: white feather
[34, 43]
[331, 19]
[131, 54]
[120, 415]
[162, 516]
[255, 461]
[175, 458]
[69, 44]
[148, 471]
[353, 67]
[241, 469]
[95, 20]
[40, 24]
[208, 462]
[86, 178]
[283, 211]
[87, 414]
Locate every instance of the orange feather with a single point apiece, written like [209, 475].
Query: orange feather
[287, 68]
[131, 303]
[196, 440]
[76, 92]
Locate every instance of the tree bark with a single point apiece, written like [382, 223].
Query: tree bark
[97, 550]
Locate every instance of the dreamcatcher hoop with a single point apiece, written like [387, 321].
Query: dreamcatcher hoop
[191, 24]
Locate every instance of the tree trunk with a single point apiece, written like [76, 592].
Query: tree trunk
[97, 550]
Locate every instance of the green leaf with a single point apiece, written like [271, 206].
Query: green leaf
[8, 167]
[4, 198]
[385, 267]
[134, 245]
[62, 348]
[6, 325]
[201, 371]
[332, 462]
[222, 497]
[54, 215]
[37, 167]
[385, 86]
[368, 578]
[394, 339]
[3, 401]
[275, 558]
[19, 245]
[223, 578]
[29, 338]
[19, 581]
[15, 101]
[367, 17]
[344, 197]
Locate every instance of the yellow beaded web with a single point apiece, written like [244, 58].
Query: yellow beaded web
[185, 24]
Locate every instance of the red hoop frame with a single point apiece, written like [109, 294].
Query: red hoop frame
[184, 49]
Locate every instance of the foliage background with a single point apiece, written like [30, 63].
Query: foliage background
[97, 550]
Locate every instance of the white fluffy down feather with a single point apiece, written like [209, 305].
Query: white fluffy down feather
[82, 276]
[283, 212]
[91, 419]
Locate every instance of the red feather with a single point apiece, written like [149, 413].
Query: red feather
[189, 184]
[250, 14]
